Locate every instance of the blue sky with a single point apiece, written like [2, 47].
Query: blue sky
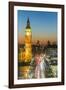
[43, 24]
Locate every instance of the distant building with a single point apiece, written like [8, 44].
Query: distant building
[51, 52]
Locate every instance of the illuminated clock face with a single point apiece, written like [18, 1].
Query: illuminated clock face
[28, 33]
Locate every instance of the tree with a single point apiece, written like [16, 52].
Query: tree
[48, 43]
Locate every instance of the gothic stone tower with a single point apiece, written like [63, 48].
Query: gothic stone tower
[28, 42]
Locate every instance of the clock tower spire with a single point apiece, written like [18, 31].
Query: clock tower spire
[28, 24]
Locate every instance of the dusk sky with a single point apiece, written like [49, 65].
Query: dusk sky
[43, 25]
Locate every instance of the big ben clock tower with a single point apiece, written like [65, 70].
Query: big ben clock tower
[28, 42]
[26, 53]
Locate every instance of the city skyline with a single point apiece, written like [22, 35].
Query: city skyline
[43, 25]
